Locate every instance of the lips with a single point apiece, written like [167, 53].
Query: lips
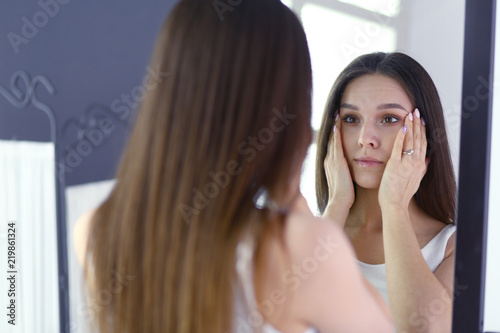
[367, 161]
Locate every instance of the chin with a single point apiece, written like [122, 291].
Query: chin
[368, 181]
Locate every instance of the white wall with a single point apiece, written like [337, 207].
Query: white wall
[432, 32]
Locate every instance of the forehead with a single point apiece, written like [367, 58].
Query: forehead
[375, 89]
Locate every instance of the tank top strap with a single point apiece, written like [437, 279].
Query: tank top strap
[243, 290]
[435, 250]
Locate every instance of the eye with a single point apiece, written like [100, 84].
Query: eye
[349, 119]
[389, 119]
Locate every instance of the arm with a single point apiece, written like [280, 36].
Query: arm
[80, 236]
[419, 299]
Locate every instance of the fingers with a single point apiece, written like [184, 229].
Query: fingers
[330, 153]
[397, 149]
[329, 149]
[337, 141]
[423, 145]
[409, 142]
[417, 129]
[420, 138]
[424, 138]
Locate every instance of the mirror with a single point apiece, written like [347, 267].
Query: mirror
[92, 108]
[339, 31]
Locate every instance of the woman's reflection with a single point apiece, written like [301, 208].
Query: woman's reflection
[383, 168]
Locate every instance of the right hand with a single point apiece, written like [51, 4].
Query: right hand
[340, 186]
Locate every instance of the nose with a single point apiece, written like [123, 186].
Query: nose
[368, 136]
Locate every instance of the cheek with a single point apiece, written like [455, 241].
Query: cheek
[389, 139]
[349, 142]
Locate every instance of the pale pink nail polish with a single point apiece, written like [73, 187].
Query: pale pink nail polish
[334, 128]
[423, 121]
[417, 113]
[410, 115]
[336, 117]
[404, 128]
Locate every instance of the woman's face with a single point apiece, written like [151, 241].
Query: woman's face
[372, 111]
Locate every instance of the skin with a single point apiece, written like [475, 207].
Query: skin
[383, 222]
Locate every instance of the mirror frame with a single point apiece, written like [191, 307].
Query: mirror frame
[474, 167]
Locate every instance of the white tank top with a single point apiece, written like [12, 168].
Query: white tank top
[433, 254]
[247, 318]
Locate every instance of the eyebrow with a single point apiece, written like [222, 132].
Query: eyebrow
[349, 106]
[391, 106]
[380, 107]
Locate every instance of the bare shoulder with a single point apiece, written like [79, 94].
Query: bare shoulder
[300, 224]
[431, 228]
[80, 235]
[305, 233]
[320, 247]
[450, 246]
[445, 271]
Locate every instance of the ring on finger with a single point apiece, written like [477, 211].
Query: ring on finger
[408, 152]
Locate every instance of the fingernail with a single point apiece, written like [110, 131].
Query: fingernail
[404, 128]
[410, 115]
[423, 121]
[336, 117]
[417, 113]
[334, 128]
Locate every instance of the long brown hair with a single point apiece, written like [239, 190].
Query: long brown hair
[230, 121]
[437, 192]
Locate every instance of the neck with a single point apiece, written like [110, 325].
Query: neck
[366, 213]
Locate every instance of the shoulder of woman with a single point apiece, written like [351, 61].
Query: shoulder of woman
[321, 239]
[450, 246]
[80, 235]
[309, 227]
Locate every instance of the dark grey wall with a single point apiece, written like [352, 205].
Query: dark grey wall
[71, 72]
[80, 59]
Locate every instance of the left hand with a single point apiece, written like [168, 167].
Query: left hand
[403, 173]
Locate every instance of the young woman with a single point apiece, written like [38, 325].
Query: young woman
[206, 214]
[397, 209]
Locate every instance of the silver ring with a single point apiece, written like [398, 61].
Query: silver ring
[408, 152]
